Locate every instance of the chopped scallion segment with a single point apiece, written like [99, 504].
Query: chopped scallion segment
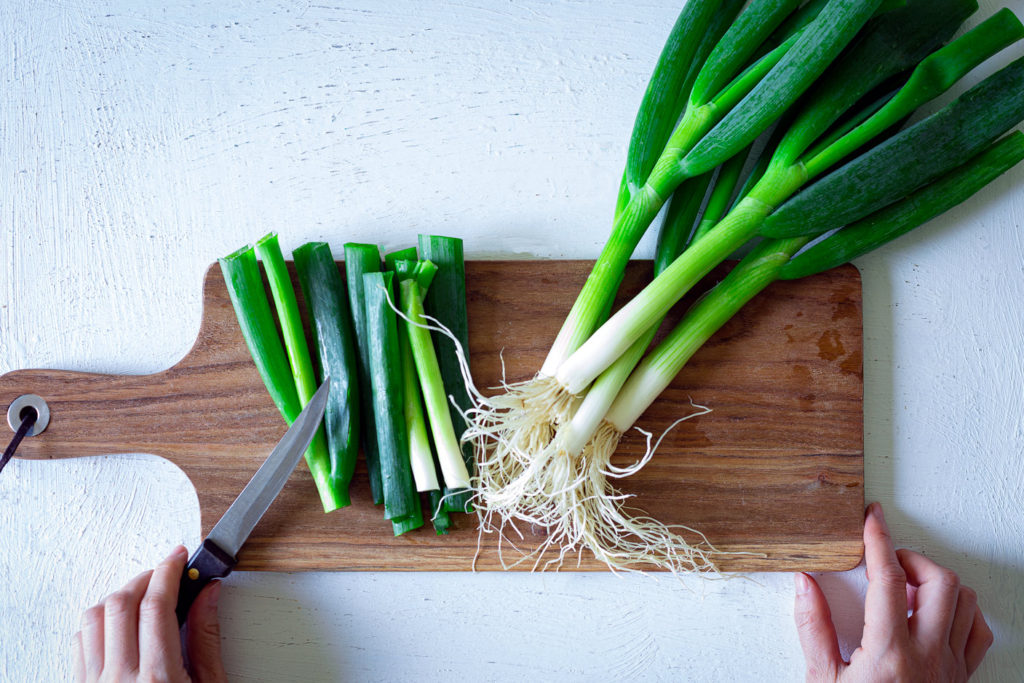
[359, 260]
[400, 499]
[333, 337]
[317, 456]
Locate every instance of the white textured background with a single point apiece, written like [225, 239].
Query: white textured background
[139, 141]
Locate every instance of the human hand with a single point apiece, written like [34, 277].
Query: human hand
[133, 634]
[944, 639]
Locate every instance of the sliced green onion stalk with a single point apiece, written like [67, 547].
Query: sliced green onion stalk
[359, 260]
[249, 299]
[334, 339]
[317, 456]
[449, 454]
[421, 457]
[400, 498]
[439, 513]
[446, 303]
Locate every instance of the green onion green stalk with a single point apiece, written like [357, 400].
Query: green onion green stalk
[331, 324]
[959, 130]
[359, 260]
[332, 494]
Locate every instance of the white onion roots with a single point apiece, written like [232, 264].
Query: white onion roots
[525, 478]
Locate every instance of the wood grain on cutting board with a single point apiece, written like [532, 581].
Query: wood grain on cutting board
[775, 470]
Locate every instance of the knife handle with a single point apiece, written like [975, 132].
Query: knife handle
[208, 562]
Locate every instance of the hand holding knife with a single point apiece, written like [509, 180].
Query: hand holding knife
[217, 554]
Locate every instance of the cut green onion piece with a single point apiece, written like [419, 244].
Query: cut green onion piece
[334, 339]
[439, 513]
[400, 499]
[421, 458]
[249, 299]
[317, 456]
[407, 254]
[897, 219]
[409, 522]
[446, 303]
[359, 260]
[449, 455]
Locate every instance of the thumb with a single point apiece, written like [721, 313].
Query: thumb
[817, 634]
[203, 637]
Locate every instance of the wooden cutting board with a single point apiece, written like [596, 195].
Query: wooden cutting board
[776, 469]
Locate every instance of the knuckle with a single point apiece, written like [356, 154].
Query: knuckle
[948, 579]
[968, 596]
[152, 605]
[117, 603]
[92, 617]
[892, 575]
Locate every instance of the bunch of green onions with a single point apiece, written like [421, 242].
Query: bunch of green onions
[836, 79]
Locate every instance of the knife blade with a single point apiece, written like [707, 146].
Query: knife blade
[217, 555]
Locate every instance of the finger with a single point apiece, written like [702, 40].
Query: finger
[818, 637]
[121, 627]
[159, 639]
[77, 658]
[978, 642]
[963, 620]
[885, 606]
[937, 591]
[203, 639]
[92, 641]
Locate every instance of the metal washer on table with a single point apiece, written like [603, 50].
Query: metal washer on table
[29, 401]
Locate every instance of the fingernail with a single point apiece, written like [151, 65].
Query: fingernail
[803, 584]
[178, 553]
[875, 510]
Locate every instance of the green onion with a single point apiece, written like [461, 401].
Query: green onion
[439, 513]
[718, 203]
[400, 499]
[421, 458]
[698, 145]
[359, 260]
[784, 176]
[446, 303]
[897, 219]
[700, 25]
[908, 160]
[774, 259]
[331, 325]
[449, 455]
[317, 456]
[249, 299]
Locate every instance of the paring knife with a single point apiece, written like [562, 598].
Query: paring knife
[216, 556]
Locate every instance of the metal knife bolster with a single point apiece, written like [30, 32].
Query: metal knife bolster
[209, 562]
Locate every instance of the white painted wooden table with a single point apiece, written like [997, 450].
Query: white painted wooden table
[142, 140]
